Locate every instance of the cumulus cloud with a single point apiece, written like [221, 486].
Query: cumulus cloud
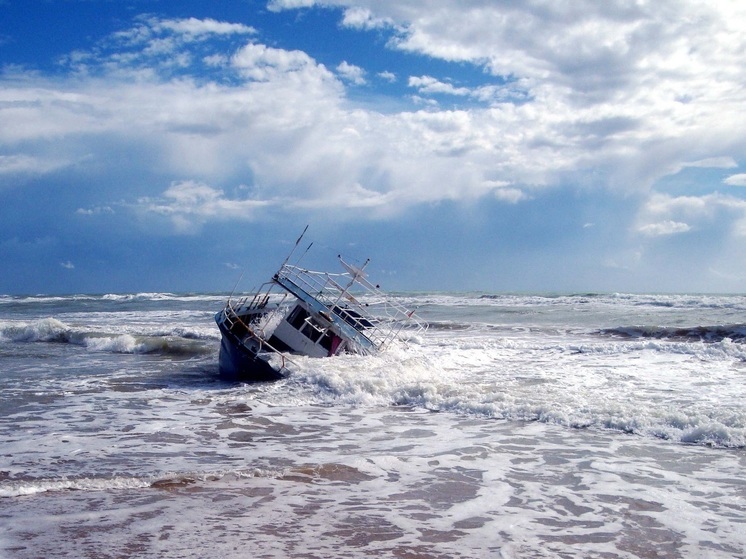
[358, 17]
[170, 31]
[387, 76]
[194, 27]
[155, 45]
[663, 215]
[510, 195]
[260, 62]
[279, 5]
[594, 49]
[736, 180]
[428, 84]
[189, 204]
[664, 228]
[668, 73]
[351, 73]
[97, 210]
[714, 163]
[22, 164]
[601, 95]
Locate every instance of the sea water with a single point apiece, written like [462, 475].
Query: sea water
[609, 426]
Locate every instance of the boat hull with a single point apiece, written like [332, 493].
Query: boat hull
[241, 362]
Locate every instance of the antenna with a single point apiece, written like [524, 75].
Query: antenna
[296, 246]
[304, 253]
[236, 286]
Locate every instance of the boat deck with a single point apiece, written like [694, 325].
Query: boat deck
[372, 325]
[321, 303]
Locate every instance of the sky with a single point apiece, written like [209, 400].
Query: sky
[462, 145]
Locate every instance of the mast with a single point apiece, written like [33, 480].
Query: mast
[296, 246]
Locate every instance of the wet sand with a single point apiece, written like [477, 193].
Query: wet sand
[402, 483]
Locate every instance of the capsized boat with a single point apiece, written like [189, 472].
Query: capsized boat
[310, 313]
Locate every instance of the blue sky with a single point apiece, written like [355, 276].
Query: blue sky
[162, 145]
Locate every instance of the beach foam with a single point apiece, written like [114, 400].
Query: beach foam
[516, 426]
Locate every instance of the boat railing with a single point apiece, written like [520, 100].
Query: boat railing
[375, 322]
[258, 300]
[232, 317]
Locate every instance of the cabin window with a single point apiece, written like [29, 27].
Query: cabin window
[326, 341]
[301, 320]
[312, 330]
[298, 317]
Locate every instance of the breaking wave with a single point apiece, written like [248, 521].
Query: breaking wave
[449, 325]
[11, 486]
[734, 332]
[464, 382]
[694, 428]
[177, 341]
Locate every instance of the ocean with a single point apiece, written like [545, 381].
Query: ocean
[516, 426]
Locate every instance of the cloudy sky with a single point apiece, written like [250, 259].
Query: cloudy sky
[494, 145]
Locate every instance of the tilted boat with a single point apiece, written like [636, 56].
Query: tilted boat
[304, 312]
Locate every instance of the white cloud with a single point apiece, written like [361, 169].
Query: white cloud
[260, 62]
[202, 27]
[154, 44]
[714, 163]
[714, 216]
[67, 265]
[596, 94]
[423, 101]
[387, 76]
[216, 60]
[694, 206]
[189, 204]
[163, 34]
[664, 228]
[736, 180]
[351, 73]
[280, 5]
[510, 195]
[636, 90]
[362, 18]
[21, 164]
[428, 84]
[492, 94]
[98, 210]
[593, 49]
